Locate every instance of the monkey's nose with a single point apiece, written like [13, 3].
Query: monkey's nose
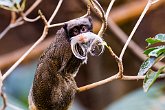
[83, 39]
[85, 43]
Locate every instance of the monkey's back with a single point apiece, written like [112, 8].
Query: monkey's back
[54, 86]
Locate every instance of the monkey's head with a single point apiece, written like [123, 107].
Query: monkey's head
[82, 39]
[78, 26]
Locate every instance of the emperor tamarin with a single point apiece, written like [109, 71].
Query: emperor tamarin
[54, 86]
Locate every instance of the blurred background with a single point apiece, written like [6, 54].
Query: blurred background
[123, 95]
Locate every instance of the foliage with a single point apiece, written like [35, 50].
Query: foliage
[155, 52]
[13, 5]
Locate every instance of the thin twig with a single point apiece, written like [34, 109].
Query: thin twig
[60, 24]
[10, 26]
[105, 18]
[5, 31]
[13, 17]
[149, 3]
[135, 48]
[109, 9]
[55, 12]
[99, 10]
[119, 62]
[29, 19]
[97, 7]
[139, 77]
[35, 4]
[57, 24]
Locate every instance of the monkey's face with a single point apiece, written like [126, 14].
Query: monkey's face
[82, 40]
[78, 26]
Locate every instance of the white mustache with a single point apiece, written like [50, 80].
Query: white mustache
[88, 43]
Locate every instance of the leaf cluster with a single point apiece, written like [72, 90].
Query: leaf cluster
[155, 52]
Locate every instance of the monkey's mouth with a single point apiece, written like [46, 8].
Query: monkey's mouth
[85, 43]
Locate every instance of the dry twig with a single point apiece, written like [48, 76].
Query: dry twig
[149, 3]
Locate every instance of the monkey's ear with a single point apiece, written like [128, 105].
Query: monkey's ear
[65, 28]
[89, 18]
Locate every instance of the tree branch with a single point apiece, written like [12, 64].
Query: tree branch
[45, 32]
[96, 84]
[135, 48]
[29, 19]
[149, 3]
[18, 22]
[23, 57]
[110, 79]
[120, 75]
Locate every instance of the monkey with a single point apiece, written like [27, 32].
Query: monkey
[54, 86]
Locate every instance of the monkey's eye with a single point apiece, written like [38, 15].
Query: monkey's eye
[84, 29]
[75, 31]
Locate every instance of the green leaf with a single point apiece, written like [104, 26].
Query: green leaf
[161, 51]
[157, 52]
[151, 41]
[156, 39]
[150, 78]
[147, 51]
[146, 65]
